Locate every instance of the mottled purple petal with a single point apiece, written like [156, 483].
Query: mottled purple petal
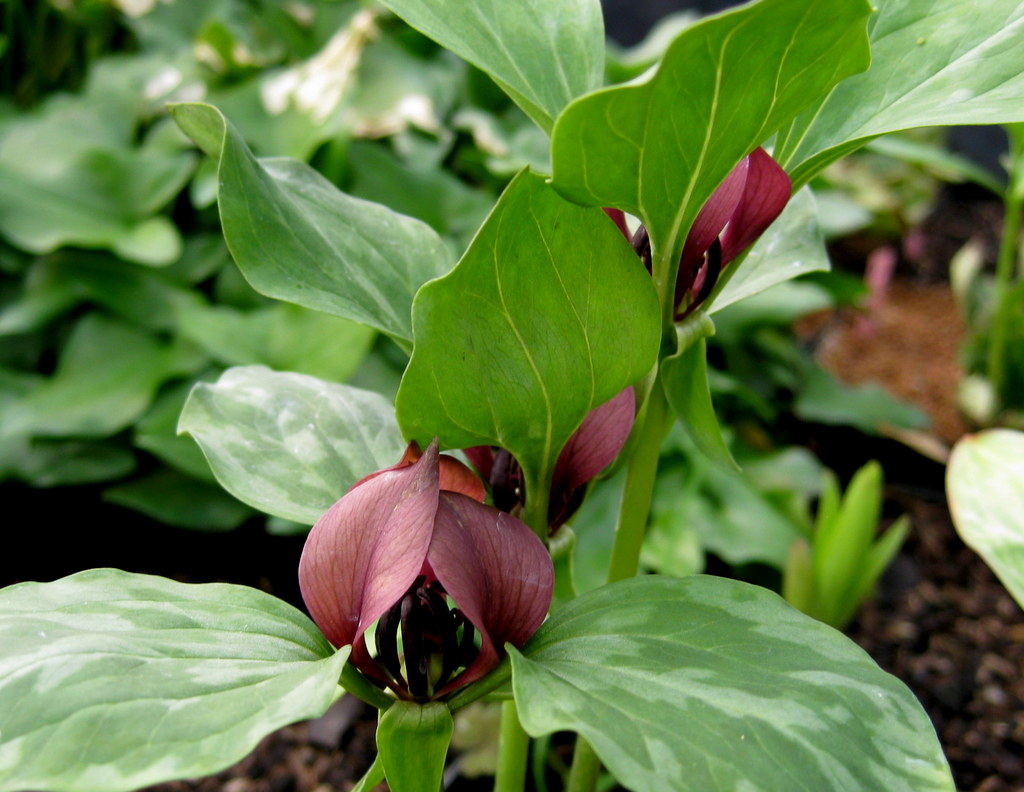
[596, 443]
[497, 571]
[365, 552]
[765, 194]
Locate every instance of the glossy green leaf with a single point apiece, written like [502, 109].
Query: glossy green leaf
[527, 333]
[107, 376]
[985, 485]
[413, 743]
[709, 685]
[543, 54]
[290, 444]
[298, 238]
[933, 63]
[792, 246]
[658, 148]
[111, 681]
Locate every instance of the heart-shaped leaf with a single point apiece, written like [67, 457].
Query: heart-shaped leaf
[296, 237]
[658, 148]
[705, 684]
[112, 681]
[549, 314]
[543, 54]
[290, 444]
[933, 62]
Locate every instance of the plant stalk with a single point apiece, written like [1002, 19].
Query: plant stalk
[636, 497]
[585, 767]
[513, 752]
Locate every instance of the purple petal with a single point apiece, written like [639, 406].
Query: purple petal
[497, 571]
[712, 218]
[364, 553]
[482, 458]
[716, 212]
[619, 218]
[765, 195]
[596, 443]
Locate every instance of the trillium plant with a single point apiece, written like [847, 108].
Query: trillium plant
[562, 344]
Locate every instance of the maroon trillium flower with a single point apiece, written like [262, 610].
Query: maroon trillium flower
[448, 579]
[592, 447]
[739, 210]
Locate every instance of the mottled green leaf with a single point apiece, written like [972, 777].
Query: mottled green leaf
[933, 63]
[543, 54]
[711, 685]
[290, 444]
[111, 681]
[658, 148]
[528, 332]
[298, 238]
[985, 484]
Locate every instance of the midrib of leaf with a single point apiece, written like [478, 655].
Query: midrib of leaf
[380, 300]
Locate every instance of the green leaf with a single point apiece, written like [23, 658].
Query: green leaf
[841, 543]
[112, 681]
[176, 499]
[284, 336]
[527, 333]
[289, 444]
[42, 462]
[933, 63]
[298, 238]
[413, 742]
[107, 376]
[792, 246]
[71, 174]
[543, 54]
[658, 148]
[709, 684]
[867, 406]
[986, 497]
[684, 375]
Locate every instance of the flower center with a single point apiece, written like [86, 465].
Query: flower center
[423, 641]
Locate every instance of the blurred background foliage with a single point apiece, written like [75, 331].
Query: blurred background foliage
[117, 291]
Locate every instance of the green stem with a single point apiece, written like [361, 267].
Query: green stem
[636, 497]
[535, 509]
[1005, 266]
[513, 752]
[585, 767]
[372, 777]
[363, 689]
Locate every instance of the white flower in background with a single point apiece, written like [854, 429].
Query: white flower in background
[319, 85]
